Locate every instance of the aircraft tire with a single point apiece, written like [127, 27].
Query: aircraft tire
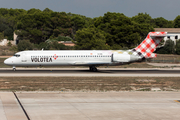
[94, 69]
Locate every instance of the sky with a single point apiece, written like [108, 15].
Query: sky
[168, 9]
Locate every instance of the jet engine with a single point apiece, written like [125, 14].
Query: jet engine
[120, 57]
[124, 58]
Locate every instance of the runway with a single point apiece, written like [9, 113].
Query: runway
[84, 72]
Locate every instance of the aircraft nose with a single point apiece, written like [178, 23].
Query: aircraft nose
[7, 62]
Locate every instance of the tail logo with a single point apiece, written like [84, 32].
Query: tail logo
[148, 46]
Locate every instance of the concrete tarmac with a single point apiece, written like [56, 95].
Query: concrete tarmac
[9, 107]
[90, 106]
[84, 72]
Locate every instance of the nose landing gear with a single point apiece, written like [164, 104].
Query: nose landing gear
[14, 68]
[93, 68]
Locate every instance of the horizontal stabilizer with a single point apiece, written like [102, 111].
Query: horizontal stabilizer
[158, 34]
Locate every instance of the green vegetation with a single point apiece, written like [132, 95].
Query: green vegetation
[43, 29]
[177, 47]
[121, 31]
[24, 45]
[90, 39]
[8, 19]
[169, 48]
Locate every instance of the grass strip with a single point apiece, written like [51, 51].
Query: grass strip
[89, 84]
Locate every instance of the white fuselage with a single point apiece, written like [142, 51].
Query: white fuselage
[70, 57]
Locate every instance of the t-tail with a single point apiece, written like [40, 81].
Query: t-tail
[148, 46]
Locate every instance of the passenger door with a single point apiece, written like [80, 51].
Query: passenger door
[24, 58]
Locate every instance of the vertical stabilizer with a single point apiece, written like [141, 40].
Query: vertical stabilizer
[148, 46]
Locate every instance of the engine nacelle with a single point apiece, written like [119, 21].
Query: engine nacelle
[124, 58]
[120, 58]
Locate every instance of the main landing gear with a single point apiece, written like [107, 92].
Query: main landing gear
[14, 68]
[93, 68]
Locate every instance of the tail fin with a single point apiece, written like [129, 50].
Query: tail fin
[148, 46]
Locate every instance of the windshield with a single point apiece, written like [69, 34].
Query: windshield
[17, 55]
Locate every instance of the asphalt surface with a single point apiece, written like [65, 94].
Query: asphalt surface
[128, 72]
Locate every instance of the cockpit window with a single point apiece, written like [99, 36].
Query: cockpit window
[17, 55]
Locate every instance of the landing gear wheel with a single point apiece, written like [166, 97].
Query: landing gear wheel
[14, 68]
[93, 68]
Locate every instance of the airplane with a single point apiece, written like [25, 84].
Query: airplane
[91, 58]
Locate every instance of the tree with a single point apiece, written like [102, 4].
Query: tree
[177, 22]
[24, 45]
[167, 49]
[121, 31]
[33, 11]
[47, 10]
[63, 38]
[162, 23]
[8, 21]
[44, 45]
[90, 39]
[3, 27]
[177, 47]
[61, 24]
[9, 32]
[11, 12]
[6, 29]
[34, 27]
[114, 30]
[40, 26]
[1, 35]
[77, 22]
[143, 18]
[4, 11]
